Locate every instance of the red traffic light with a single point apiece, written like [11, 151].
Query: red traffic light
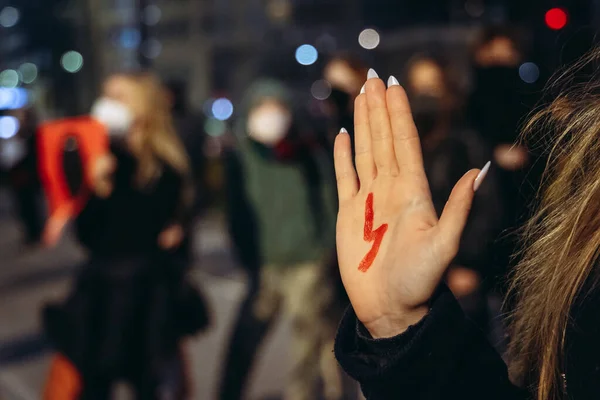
[556, 18]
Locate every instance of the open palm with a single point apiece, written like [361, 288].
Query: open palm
[392, 249]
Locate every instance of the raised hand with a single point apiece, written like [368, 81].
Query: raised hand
[171, 237]
[392, 249]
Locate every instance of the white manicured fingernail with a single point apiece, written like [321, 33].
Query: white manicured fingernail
[392, 81]
[372, 74]
[362, 89]
[343, 130]
[481, 176]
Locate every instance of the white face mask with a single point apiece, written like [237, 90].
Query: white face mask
[269, 126]
[115, 115]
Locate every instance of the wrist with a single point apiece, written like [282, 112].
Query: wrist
[390, 326]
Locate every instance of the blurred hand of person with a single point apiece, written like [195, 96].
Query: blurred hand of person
[511, 157]
[340, 76]
[101, 175]
[53, 230]
[462, 281]
[392, 249]
[171, 237]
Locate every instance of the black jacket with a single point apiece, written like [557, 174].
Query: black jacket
[132, 302]
[445, 356]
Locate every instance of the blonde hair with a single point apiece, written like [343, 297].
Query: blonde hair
[562, 239]
[159, 142]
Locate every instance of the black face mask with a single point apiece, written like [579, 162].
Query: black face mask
[427, 113]
[497, 102]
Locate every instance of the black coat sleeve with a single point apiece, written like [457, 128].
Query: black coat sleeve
[93, 218]
[132, 217]
[241, 219]
[444, 356]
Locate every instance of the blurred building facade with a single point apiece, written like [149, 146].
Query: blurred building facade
[216, 47]
[213, 46]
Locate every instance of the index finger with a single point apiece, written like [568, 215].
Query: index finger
[407, 144]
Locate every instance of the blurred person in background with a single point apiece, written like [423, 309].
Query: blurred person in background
[24, 178]
[132, 304]
[189, 125]
[449, 149]
[282, 220]
[346, 74]
[496, 107]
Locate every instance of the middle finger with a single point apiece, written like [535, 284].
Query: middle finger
[381, 131]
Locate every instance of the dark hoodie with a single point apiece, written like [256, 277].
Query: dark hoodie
[282, 204]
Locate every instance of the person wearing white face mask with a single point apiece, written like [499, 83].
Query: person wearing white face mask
[269, 123]
[131, 307]
[114, 114]
[281, 204]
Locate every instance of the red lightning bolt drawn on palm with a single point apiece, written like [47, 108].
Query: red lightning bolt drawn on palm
[375, 236]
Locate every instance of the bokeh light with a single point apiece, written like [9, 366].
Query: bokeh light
[9, 78]
[222, 109]
[214, 127]
[130, 38]
[29, 72]
[72, 61]
[151, 14]
[13, 98]
[9, 126]
[369, 39]
[529, 72]
[151, 48]
[7, 98]
[11, 152]
[307, 54]
[556, 18]
[321, 89]
[9, 17]
[207, 107]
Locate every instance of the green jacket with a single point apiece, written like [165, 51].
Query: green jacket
[284, 208]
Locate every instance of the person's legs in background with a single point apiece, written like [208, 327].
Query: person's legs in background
[309, 298]
[256, 314]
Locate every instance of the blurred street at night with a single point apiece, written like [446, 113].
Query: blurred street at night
[169, 211]
[31, 279]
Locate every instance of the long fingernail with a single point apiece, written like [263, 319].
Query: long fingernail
[392, 81]
[343, 130]
[362, 89]
[481, 176]
[372, 74]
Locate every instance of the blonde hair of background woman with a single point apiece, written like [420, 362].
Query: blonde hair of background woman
[157, 140]
[562, 240]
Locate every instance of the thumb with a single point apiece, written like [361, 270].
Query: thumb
[457, 209]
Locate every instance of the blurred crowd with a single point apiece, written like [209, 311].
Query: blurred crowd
[131, 309]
